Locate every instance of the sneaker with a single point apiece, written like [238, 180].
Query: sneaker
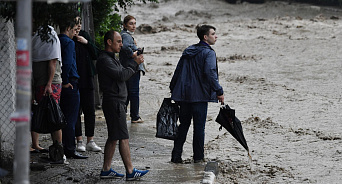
[138, 121]
[136, 174]
[91, 146]
[111, 174]
[80, 147]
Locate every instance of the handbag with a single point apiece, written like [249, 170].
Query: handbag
[47, 116]
[167, 118]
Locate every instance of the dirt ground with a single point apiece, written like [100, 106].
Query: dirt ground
[280, 67]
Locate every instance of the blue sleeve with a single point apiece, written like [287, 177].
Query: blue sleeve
[128, 44]
[210, 70]
[67, 59]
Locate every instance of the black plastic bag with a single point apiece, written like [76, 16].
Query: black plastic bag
[56, 152]
[47, 116]
[56, 117]
[39, 121]
[167, 118]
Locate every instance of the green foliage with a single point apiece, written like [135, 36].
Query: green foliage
[112, 21]
[44, 14]
[106, 18]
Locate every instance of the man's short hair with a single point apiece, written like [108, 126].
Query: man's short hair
[66, 24]
[204, 30]
[109, 35]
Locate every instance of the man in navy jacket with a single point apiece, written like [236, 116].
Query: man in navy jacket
[193, 85]
[70, 96]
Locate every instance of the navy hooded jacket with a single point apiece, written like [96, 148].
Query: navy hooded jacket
[196, 76]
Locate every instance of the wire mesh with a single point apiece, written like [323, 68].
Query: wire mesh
[7, 90]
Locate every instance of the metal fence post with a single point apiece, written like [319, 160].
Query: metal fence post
[23, 94]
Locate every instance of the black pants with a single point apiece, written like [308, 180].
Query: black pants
[87, 106]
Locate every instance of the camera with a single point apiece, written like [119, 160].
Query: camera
[140, 51]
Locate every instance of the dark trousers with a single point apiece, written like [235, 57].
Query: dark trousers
[197, 112]
[87, 106]
[133, 95]
[70, 102]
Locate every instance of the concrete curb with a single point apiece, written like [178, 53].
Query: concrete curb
[210, 172]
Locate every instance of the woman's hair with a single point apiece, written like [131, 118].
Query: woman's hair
[128, 18]
[204, 30]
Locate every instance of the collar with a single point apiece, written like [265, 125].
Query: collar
[204, 43]
[131, 33]
[63, 35]
[111, 54]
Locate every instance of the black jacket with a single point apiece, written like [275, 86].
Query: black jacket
[112, 76]
[85, 54]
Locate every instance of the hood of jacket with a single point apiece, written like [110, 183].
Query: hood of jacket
[193, 50]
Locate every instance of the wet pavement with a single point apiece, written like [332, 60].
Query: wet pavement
[147, 152]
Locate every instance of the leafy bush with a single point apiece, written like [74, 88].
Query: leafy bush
[106, 18]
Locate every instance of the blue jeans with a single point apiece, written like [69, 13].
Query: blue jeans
[133, 95]
[70, 102]
[197, 112]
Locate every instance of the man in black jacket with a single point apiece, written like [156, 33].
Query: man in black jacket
[112, 77]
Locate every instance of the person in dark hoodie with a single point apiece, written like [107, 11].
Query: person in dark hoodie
[193, 85]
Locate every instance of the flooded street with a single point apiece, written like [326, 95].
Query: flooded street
[280, 67]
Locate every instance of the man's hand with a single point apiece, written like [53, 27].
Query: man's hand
[82, 39]
[221, 99]
[47, 90]
[68, 86]
[139, 59]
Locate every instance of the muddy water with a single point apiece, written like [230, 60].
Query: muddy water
[280, 66]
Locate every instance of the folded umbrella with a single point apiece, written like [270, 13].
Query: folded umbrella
[227, 119]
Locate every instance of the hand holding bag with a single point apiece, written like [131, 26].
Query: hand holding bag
[56, 117]
[47, 116]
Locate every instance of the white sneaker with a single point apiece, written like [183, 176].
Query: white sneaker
[91, 146]
[80, 147]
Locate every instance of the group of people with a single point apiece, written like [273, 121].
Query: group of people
[64, 70]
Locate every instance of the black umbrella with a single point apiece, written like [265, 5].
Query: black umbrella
[227, 119]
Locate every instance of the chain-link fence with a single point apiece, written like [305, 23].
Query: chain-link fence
[7, 91]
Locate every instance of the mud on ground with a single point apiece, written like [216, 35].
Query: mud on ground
[280, 67]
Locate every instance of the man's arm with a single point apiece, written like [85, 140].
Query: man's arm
[67, 59]
[212, 75]
[51, 72]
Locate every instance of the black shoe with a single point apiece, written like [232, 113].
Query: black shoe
[76, 155]
[177, 160]
[199, 160]
[35, 151]
[44, 150]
